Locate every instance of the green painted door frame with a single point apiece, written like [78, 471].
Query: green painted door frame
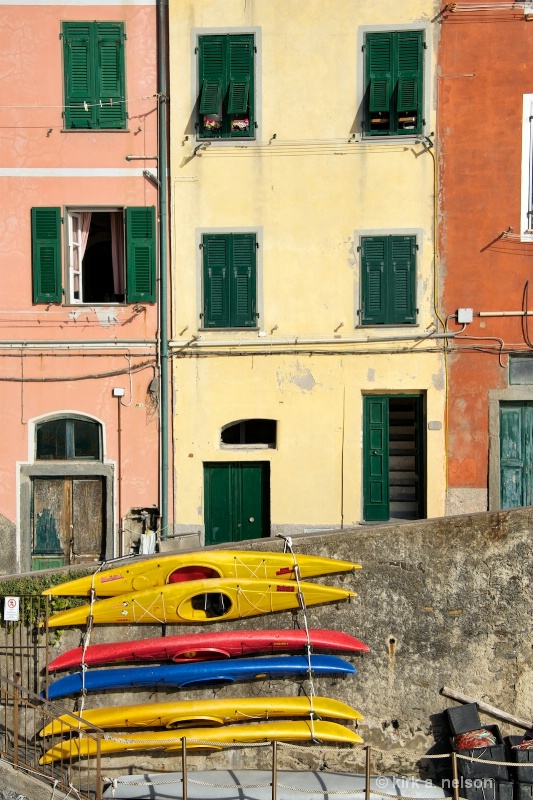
[516, 454]
[236, 501]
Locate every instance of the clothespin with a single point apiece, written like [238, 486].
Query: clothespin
[85, 106]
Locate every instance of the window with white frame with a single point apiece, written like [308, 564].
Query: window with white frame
[110, 255]
[526, 214]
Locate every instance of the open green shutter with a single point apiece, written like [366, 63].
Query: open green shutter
[46, 254]
[402, 295]
[212, 72]
[241, 61]
[376, 488]
[140, 254]
[78, 56]
[410, 59]
[374, 259]
[216, 280]
[243, 281]
[110, 79]
[379, 54]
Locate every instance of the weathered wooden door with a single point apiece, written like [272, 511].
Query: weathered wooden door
[67, 521]
[516, 454]
[236, 501]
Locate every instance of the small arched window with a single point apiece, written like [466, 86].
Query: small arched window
[250, 432]
[68, 439]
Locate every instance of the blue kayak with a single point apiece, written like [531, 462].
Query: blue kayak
[198, 674]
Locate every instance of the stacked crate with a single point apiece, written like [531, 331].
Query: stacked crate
[522, 770]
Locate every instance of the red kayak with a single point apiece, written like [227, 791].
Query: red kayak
[206, 646]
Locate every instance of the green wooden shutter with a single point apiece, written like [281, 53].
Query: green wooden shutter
[241, 63]
[110, 92]
[78, 56]
[216, 280]
[243, 280]
[379, 55]
[212, 67]
[376, 458]
[46, 254]
[374, 268]
[402, 279]
[140, 254]
[409, 89]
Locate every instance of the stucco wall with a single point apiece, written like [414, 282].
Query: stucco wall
[440, 602]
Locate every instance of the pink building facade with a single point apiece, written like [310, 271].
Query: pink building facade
[79, 311]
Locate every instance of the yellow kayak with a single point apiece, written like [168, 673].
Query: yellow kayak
[201, 712]
[137, 576]
[203, 738]
[195, 602]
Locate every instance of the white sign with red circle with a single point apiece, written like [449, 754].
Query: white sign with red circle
[12, 608]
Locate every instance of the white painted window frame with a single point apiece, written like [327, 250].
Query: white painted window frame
[74, 266]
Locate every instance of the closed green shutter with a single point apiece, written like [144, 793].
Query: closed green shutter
[78, 56]
[110, 79]
[379, 70]
[402, 294]
[241, 62]
[216, 278]
[388, 280]
[212, 72]
[95, 94]
[46, 254]
[140, 254]
[243, 283]
[374, 277]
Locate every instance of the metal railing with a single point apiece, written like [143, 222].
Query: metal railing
[23, 715]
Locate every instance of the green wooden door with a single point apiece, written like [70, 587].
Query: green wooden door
[376, 458]
[516, 454]
[236, 501]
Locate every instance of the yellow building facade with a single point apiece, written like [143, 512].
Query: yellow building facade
[308, 372]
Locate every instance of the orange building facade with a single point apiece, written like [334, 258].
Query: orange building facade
[79, 311]
[485, 111]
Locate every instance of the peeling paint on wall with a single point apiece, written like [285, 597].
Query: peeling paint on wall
[106, 316]
[371, 375]
[301, 377]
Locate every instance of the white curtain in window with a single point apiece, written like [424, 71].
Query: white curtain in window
[117, 251]
[85, 226]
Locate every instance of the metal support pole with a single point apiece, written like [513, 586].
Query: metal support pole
[368, 767]
[16, 698]
[455, 776]
[98, 768]
[184, 768]
[274, 770]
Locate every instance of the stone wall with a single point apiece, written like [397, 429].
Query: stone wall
[440, 602]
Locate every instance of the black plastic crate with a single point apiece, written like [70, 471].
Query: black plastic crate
[463, 718]
[473, 769]
[487, 789]
[523, 771]
[523, 791]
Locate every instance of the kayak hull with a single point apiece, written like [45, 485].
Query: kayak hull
[208, 646]
[143, 574]
[198, 602]
[257, 785]
[198, 674]
[202, 712]
[204, 738]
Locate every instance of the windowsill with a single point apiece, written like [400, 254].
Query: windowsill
[379, 326]
[223, 330]
[95, 130]
[227, 141]
[392, 137]
[247, 446]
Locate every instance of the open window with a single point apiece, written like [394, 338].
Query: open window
[110, 255]
[226, 102]
[394, 83]
[250, 432]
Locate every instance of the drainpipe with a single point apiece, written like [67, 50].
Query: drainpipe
[162, 15]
